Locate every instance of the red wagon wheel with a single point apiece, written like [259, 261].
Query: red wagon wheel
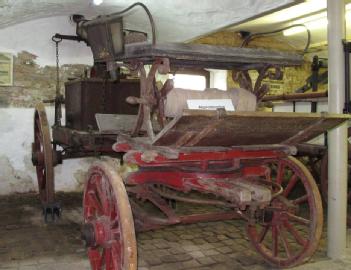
[288, 231]
[42, 155]
[324, 184]
[109, 228]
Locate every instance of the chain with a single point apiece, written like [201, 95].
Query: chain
[57, 69]
[58, 98]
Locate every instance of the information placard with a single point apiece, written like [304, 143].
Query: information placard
[6, 69]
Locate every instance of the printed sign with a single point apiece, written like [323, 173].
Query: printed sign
[210, 104]
[6, 68]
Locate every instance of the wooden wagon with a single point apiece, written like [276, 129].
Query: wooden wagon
[239, 162]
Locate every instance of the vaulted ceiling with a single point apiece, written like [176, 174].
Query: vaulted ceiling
[176, 20]
[312, 13]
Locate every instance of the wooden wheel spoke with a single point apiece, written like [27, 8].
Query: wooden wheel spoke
[108, 259]
[95, 258]
[283, 237]
[290, 185]
[275, 244]
[103, 198]
[280, 172]
[95, 202]
[299, 239]
[263, 233]
[297, 219]
[300, 200]
[116, 254]
[39, 138]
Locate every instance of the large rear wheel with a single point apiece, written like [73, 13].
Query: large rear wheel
[287, 233]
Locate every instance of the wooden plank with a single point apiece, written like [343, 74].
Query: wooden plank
[247, 128]
[197, 55]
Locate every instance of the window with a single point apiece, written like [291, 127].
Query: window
[187, 81]
[194, 79]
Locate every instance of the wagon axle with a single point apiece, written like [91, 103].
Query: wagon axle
[99, 233]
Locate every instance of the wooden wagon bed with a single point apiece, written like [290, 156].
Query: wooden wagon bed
[211, 128]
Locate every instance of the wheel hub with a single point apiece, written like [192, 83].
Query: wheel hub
[97, 233]
[37, 158]
[88, 235]
[278, 211]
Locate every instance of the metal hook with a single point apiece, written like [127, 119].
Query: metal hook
[56, 39]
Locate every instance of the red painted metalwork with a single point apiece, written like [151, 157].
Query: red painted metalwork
[136, 157]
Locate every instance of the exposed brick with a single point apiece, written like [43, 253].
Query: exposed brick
[190, 264]
[153, 260]
[168, 266]
[197, 254]
[210, 252]
[220, 258]
[199, 241]
[191, 248]
[176, 258]
[225, 250]
[206, 260]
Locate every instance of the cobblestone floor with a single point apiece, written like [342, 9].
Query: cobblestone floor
[27, 243]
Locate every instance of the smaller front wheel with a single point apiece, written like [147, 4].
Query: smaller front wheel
[108, 228]
[288, 231]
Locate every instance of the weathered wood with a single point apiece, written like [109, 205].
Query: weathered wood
[308, 149]
[248, 128]
[296, 96]
[196, 55]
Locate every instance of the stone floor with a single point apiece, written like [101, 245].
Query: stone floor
[27, 243]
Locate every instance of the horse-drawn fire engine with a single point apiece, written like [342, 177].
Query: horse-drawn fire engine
[241, 162]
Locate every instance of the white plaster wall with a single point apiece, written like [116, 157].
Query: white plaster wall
[303, 107]
[16, 124]
[218, 78]
[17, 173]
[35, 37]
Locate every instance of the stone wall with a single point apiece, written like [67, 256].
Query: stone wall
[33, 83]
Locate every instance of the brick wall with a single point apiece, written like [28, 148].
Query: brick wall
[32, 83]
[294, 77]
